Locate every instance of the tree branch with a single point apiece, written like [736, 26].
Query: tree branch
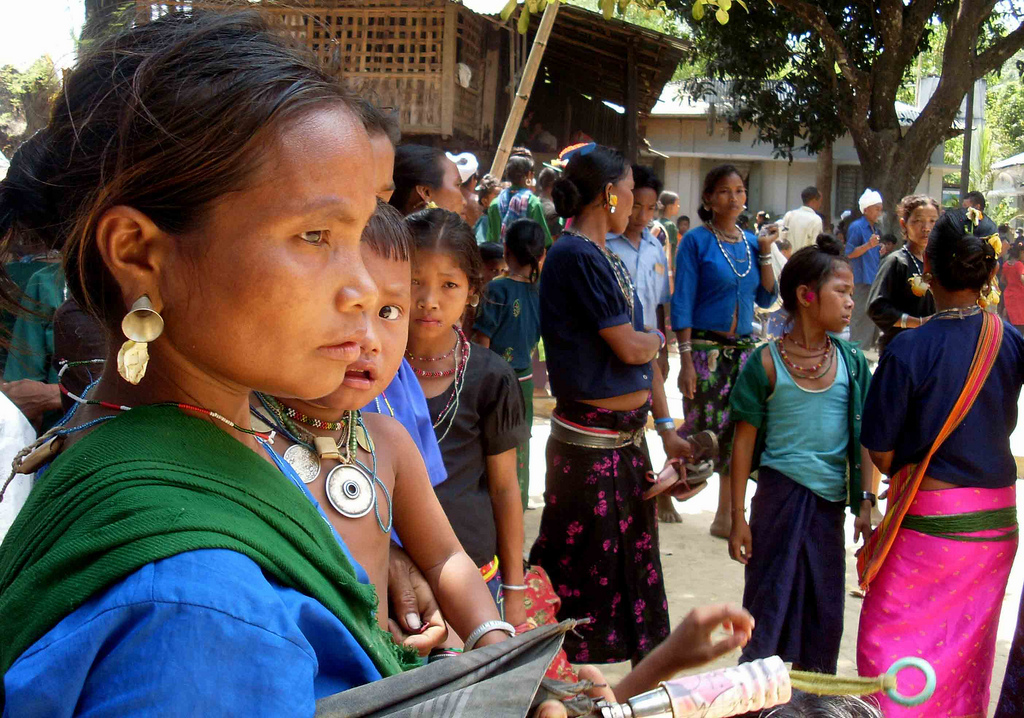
[815, 17]
[1001, 51]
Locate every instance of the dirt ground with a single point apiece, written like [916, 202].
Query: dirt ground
[698, 570]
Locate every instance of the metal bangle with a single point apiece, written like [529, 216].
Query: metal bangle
[685, 347]
[485, 628]
[514, 587]
[903, 322]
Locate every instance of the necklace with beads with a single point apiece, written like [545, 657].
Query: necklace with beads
[451, 408]
[958, 312]
[918, 264]
[447, 354]
[805, 347]
[728, 257]
[812, 372]
[461, 342]
[351, 485]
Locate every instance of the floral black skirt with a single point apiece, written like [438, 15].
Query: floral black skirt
[599, 541]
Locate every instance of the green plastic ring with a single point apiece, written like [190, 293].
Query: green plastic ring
[929, 681]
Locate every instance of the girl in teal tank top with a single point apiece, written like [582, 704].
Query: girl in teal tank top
[798, 404]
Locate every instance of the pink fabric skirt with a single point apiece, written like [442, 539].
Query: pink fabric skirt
[939, 599]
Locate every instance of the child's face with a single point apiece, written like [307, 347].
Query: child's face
[386, 336]
[833, 306]
[494, 268]
[440, 292]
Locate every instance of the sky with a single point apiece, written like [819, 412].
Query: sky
[29, 30]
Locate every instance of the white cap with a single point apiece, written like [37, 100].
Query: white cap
[869, 199]
[468, 165]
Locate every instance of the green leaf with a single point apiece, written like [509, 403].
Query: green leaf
[725, 4]
[607, 8]
[698, 11]
[524, 20]
[722, 16]
[506, 12]
[744, 5]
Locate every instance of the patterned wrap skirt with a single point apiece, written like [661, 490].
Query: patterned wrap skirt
[599, 541]
[717, 362]
[938, 596]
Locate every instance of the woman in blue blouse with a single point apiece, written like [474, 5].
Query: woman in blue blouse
[721, 271]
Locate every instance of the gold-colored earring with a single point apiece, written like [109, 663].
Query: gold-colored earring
[141, 325]
[613, 202]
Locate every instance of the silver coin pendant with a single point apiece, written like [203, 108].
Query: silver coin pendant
[350, 491]
[305, 462]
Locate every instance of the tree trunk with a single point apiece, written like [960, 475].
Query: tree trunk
[895, 175]
[824, 182]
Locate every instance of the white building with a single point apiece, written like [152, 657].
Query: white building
[688, 137]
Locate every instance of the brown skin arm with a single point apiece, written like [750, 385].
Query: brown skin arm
[883, 460]
[740, 541]
[33, 398]
[687, 374]
[631, 346]
[507, 505]
[431, 543]
[674, 444]
[862, 524]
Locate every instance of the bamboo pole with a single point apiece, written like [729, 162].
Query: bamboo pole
[515, 115]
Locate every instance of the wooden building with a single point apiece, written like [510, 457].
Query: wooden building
[451, 73]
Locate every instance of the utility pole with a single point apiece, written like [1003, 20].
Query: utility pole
[965, 163]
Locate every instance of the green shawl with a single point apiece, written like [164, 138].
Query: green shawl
[154, 483]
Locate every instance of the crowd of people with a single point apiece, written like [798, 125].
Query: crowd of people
[270, 419]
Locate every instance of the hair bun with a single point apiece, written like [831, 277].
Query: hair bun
[829, 245]
[566, 197]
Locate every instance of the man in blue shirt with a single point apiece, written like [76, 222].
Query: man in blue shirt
[643, 255]
[862, 239]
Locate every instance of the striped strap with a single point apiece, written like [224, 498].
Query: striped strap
[904, 485]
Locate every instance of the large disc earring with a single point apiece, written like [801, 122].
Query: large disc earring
[141, 325]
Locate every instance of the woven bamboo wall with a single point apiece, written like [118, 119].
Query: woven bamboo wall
[389, 50]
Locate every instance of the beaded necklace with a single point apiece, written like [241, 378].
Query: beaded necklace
[451, 408]
[918, 265]
[384, 396]
[267, 436]
[811, 372]
[351, 485]
[311, 420]
[958, 312]
[728, 258]
[460, 342]
[451, 351]
[622, 276]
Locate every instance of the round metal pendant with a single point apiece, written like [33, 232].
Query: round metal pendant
[305, 462]
[350, 491]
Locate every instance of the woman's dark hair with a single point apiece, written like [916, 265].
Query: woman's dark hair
[711, 180]
[26, 199]
[546, 178]
[524, 241]
[811, 266]
[439, 230]
[1016, 251]
[166, 118]
[806, 705]
[416, 165]
[518, 169]
[585, 178]
[387, 234]
[645, 178]
[667, 199]
[959, 259]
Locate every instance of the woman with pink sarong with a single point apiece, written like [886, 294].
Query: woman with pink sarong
[939, 414]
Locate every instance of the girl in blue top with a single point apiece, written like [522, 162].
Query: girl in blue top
[797, 406]
[508, 320]
[721, 271]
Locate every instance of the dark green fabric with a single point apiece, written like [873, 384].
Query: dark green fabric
[154, 483]
[956, 527]
[749, 402]
[523, 450]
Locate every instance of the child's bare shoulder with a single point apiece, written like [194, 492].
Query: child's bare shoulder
[394, 445]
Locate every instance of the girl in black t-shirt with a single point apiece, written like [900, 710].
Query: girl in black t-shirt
[475, 403]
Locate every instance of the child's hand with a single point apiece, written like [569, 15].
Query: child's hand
[675, 445]
[691, 643]
[741, 543]
[515, 608]
[687, 376]
[862, 524]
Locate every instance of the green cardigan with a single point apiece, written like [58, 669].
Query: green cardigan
[749, 402]
[154, 483]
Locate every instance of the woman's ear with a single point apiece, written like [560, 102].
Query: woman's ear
[424, 193]
[805, 295]
[135, 251]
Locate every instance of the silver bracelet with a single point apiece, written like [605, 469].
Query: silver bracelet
[685, 347]
[903, 322]
[485, 628]
[514, 587]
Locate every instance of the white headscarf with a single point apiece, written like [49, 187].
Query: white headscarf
[868, 199]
